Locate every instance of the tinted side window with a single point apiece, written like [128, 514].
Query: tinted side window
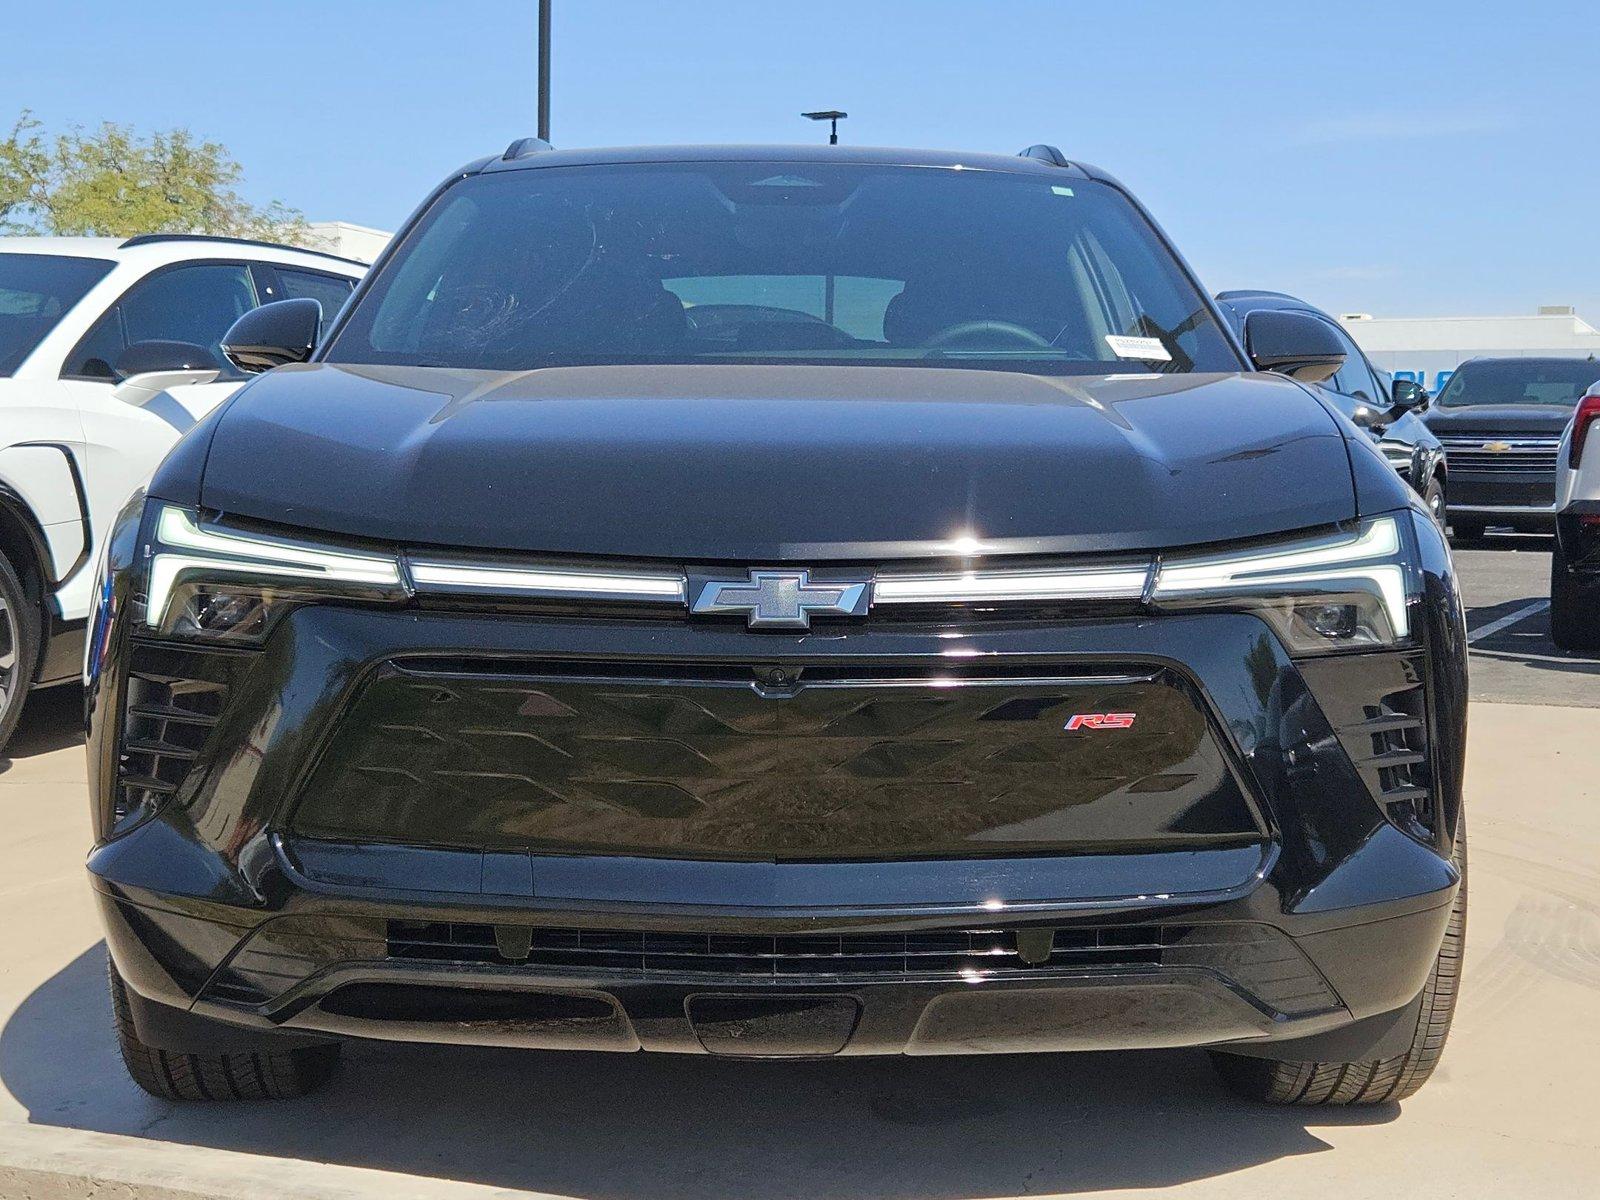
[100, 347]
[189, 304]
[1353, 379]
[330, 291]
[36, 290]
[185, 304]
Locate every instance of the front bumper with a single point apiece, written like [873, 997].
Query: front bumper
[1523, 500]
[1201, 979]
[1326, 915]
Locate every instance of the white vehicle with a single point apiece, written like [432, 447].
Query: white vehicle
[1575, 565]
[108, 354]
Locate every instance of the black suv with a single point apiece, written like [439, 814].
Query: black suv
[1501, 420]
[780, 602]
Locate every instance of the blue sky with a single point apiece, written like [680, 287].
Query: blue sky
[1408, 157]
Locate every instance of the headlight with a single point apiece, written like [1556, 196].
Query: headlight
[222, 584]
[1346, 590]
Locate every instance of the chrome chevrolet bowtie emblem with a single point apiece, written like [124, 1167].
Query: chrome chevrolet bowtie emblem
[781, 599]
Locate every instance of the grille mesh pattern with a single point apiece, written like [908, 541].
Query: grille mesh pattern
[1518, 454]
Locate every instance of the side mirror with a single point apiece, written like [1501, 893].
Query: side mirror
[1364, 417]
[1294, 344]
[146, 369]
[1406, 395]
[284, 331]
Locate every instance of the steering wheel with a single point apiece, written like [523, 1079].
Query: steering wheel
[966, 329]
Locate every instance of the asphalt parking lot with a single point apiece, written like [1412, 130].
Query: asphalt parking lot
[1505, 580]
[1512, 1111]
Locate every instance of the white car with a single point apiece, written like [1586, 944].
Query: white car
[109, 352]
[1575, 565]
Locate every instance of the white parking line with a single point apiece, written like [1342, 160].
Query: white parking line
[1507, 621]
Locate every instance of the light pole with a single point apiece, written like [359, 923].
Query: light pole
[544, 69]
[833, 116]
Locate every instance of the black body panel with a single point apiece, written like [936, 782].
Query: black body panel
[709, 463]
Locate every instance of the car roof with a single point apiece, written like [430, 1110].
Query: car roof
[73, 247]
[1498, 359]
[1249, 300]
[159, 249]
[864, 155]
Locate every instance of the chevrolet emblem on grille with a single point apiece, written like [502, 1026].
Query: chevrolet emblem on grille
[781, 599]
[1497, 447]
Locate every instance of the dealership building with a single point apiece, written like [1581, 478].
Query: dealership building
[347, 240]
[1429, 349]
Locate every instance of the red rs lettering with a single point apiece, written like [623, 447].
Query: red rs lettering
[1101, 721]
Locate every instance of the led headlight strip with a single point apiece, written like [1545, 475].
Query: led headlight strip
[549, 583]
[1111, 581]
[1369, 556]
[183, 549]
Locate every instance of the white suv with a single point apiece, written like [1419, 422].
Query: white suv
[108, 353]
[1575, 566]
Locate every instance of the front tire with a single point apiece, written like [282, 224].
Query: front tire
[19, 648]
[1379, 1081]
[1433, 497]
[173, 1075]
[1574, 608]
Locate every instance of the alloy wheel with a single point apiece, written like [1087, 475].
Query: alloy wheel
[8, 654]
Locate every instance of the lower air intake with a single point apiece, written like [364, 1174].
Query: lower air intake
[1257, 960]
[165, 726]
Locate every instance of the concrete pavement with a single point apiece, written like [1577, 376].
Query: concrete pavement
[1512, 1112]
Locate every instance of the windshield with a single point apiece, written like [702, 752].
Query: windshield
[36, 290]
[1559, 382]
[783, 262]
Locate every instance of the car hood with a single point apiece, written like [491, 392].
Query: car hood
[777, 463]
[1501, 419]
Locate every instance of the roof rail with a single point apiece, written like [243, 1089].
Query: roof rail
[525, 148]
[152, 239]
[1046, 153]
[1257, 293]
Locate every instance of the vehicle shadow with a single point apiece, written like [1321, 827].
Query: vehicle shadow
[52, 719]
[1538, 655]
[1504, 539]
[659, 1127]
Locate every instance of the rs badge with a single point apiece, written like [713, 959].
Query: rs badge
[1100, 721]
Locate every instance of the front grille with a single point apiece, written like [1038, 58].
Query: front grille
[166, 722]
[752, 762]
[1260, 961]
[1511, 456]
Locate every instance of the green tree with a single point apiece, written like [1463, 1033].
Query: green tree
[115, 183]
